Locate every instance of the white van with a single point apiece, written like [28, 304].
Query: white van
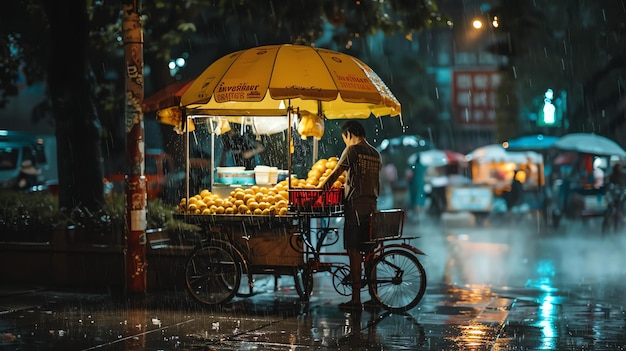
[17, 147]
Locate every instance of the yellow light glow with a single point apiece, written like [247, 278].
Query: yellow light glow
[477, 24]
[495, 22]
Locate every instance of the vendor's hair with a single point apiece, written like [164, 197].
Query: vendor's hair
[353, 127]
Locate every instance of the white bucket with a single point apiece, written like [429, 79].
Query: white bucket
[266, 175]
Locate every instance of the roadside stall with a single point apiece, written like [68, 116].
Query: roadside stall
[437, 171]
[578, 175]
[492, 171]
[269, 226]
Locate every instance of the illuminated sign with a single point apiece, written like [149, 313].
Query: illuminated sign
[474, 96]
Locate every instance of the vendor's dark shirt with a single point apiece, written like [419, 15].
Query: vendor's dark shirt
[363, 164]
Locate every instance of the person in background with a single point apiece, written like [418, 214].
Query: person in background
[616, 177]
[28, 176]
[362, 164]
[239, 149]
[417, 194]
[513, 196]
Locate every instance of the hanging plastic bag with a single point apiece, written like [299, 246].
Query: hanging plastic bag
[222, 126]
[310, 125]
[269, 125]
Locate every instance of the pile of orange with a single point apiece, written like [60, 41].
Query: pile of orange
[258, 200]
[320, 170]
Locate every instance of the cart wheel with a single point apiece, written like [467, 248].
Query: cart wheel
[397, 280]
[341, 280]
[212, 274]
[303, 279]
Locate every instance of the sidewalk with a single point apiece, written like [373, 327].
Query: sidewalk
[271, 320]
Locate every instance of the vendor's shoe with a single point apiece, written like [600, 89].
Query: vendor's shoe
[350, 306]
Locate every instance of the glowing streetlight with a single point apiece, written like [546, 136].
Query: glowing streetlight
[495, 22]
[477, 24]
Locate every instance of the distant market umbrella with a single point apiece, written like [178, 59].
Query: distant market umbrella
[497, 153]
[438, 158]
[269, 80]
[405, 144]
[589, 143]
[538, 142]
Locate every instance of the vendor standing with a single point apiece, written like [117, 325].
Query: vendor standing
[362, 164]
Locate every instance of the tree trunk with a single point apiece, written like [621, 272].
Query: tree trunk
[78, 129]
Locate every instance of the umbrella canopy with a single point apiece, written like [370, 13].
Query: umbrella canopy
[438, 158]
[497, 153]
[268, 80]
[402, 144]
[589, 143]
[537, 142]
[166, 97]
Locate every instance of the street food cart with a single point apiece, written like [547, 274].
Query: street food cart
[492, 170]
[577, 176]
[280, 228]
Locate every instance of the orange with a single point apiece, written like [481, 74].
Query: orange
[259, 197]
[315, 173]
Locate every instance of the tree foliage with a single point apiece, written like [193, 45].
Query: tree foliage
[76, 47]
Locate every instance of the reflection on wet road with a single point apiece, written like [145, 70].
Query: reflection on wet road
[504, 286]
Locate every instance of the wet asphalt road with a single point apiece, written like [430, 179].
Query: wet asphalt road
[509, 285]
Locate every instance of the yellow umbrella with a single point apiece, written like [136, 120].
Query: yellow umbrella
[268, 80]
[273, 80]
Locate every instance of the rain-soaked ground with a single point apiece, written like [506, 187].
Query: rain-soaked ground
[508, 285]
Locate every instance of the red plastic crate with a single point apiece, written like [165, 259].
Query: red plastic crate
[315, 200]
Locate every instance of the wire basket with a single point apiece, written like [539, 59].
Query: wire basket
[386, 224]
[316, 200]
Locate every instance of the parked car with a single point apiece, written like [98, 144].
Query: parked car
[164, 180]
[17, 151]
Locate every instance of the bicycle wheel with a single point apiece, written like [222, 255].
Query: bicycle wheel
[212, 274]
[397, 280]
[342, 280]
[303, 279]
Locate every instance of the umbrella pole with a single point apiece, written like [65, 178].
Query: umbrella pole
[212, 160]
[289, 143]
[186, 126]
[320, 114]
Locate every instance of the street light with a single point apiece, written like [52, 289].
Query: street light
[495, 22]
[477, 24]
